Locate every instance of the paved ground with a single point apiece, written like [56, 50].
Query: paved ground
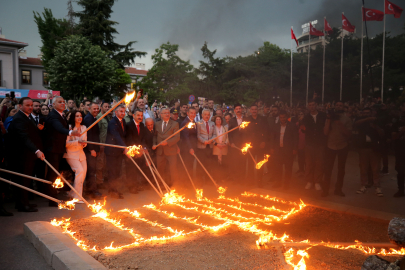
[17, 253]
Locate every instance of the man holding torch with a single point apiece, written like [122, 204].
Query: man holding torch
[166, 152]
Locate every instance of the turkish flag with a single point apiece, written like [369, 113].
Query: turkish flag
[314, 32]
[391, 8]
[346, 25]
[372, 15]
[327, 26]
[293, 36]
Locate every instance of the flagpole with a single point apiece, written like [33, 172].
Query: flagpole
[361, 64]
[383, 58]
[341, 64]
[309, 53]
[323, 72]
[291, 70]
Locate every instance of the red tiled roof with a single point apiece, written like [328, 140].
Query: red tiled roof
[132, 70]
[30, 61]
[13, 41]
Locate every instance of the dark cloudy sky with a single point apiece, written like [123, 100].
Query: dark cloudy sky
[233, 27]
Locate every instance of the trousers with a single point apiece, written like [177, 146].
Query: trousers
[330, 156]
[314, 163]
[80, 170]
[369, 159]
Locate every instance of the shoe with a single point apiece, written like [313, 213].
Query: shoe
[379, 193]
[53, 204]
[277, 185]
[399, 194]
[5, 213]
[308, 186]
[96, 195]
[318, 186]
[324, 194]
[362, 190]
[339, 193]
[80, 202]
[27, 208]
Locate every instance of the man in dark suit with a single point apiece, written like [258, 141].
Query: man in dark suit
[92, 150]
[39, 168]
[57, 130]
[284, 146]
[27, 147]
[237, 159]
[189, 142]
[167, 151]
[115, 135]
[136, 135]
[255, 133]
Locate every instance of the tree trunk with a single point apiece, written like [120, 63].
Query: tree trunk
[396, 231]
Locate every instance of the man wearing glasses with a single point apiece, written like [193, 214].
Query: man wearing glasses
[103, 125]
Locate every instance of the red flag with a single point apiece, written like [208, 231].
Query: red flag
[372, 14]
[314, 32]
[327, 26]
[391, 8]
[346, 25]
[293, 36]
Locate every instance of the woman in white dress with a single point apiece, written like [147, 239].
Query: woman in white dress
[220, 148]
[74, 153]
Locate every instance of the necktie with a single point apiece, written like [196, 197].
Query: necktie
[122, 125]
[164, 126]
[36, 119]
[208, 128]
[137, 127]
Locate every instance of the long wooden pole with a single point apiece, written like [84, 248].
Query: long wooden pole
[31, 190]
[223, 134]
[343, 244]
[361, 55]
[341, 66]
[154, 177]
[212, 179]
[158, 174]
[248, 151]
[104, 115]
[66, 182]
[291, 73]
[171, 136]
[27, 176]
[145, 176]
[105, 144]
[383, 59]
[185, 168]
[309, 55]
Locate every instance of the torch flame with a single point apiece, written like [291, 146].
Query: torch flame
[246, 148]
[191, 125]
[69, 205]
[260, 164]
[221, 192]
[244, 124]
[133, 150]
[199, 194]
[129, 97]
[58, 183]
[172, 197]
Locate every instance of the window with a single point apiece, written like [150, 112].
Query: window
[45, 79]
[26, 77]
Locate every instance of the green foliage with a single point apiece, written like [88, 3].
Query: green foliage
[80, 69]
[95, 24]
[170, 78]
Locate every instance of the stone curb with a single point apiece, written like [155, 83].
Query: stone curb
[331, 206]
[58, 250]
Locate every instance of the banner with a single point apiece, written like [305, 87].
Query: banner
[34, 94]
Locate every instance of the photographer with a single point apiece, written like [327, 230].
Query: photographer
[338, 129]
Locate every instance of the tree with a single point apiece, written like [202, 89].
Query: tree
[52, 31]
[80, 69]
[95, 24]
[170, 77]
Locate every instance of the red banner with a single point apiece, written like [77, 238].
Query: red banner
[41, 94]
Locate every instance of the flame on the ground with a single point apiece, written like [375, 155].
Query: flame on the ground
[134, 150]
[260, 164]
[129, 97]
[69, 205]
[226, 210]
[191, 125]
[244, 124]
[58, 183]
[246, 148]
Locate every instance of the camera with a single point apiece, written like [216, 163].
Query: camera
[12, 94]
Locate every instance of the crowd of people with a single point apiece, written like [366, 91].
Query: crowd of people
[314, 134]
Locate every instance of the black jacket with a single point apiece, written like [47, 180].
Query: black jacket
[235, 136]
[132, 137]
[93, 135]
[188, 136]
[256, 132]
[290, 139]
[314, 135]
[116, 136]
[24, 137]
[57, 130]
